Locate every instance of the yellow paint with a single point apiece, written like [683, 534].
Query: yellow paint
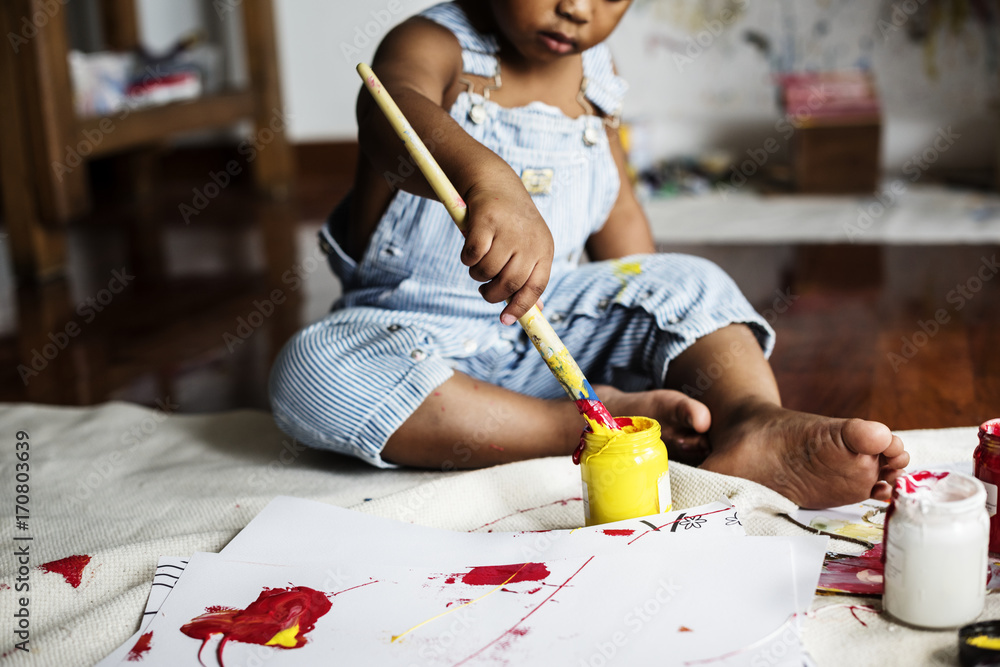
[984, 641]
[624, 269]
[624, 472]
[285, 638]
[860, 530]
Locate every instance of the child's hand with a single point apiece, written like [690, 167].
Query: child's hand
[507, 245]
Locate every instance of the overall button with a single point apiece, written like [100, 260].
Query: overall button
[418, 355]
[394, 327]
[470, 346]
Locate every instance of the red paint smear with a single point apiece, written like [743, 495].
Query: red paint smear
[367, 583]
[595, 411]
[684, 628]
[495, 575]
[514, 628]
[618, 532]
[530, 509]
[138, 651]
[496, 447]
[602, 416]
[841, 574]
[437, 393]
[215, 609]
[274, 610]
[71, 568]
[533, 590]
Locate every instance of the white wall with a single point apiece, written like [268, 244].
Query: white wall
[685, 97]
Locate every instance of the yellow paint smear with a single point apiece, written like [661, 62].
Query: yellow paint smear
[285, 638]
[984, 641]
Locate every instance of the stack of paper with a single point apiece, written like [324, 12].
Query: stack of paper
[308, 583]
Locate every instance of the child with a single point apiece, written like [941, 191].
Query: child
[418, 363]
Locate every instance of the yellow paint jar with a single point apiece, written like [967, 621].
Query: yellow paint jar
[625, 474]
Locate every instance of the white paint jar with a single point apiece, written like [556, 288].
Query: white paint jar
[936, 541]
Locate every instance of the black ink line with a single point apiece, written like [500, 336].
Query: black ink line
[156, 583]
[673, 528]
[650, 525]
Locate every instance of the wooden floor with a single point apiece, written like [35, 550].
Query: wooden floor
[907, 335]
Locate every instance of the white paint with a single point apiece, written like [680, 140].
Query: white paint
[936, 554]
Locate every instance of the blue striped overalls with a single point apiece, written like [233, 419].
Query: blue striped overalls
[410, 314]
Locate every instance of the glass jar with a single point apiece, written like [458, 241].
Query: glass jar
[987, 466]
[625, 473]
[936, 536]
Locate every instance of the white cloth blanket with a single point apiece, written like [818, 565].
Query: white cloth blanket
[124, 484]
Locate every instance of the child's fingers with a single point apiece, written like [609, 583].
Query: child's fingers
[522, 300]
[478, 243]
[507, 280]
[490, 267]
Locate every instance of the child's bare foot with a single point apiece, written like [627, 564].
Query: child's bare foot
[815, 461]
[684, 421]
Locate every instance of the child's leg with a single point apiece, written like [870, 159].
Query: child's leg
[467, 423]
[816, 461]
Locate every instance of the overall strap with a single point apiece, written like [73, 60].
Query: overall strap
[605, 89]
[478, 50]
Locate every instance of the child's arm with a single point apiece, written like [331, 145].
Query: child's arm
[508, 246]
[627, 230]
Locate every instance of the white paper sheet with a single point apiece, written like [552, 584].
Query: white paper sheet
[168, 571]
[681, 605]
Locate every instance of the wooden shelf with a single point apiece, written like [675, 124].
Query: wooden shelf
[129, 129]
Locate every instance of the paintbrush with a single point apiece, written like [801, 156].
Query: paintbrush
[544, 338]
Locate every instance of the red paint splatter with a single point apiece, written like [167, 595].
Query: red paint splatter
[442, 408]
[495, 575]
[533, 590]
[514, 628]
[4, 587]
[215, 609]
[530, 509]
[496, 447]
[449, 580]
[861, 575]
[618, 532]
[684, 628]
[138, 652]
[71, 568]
[276, 610]
[437, 393]
[459, 601]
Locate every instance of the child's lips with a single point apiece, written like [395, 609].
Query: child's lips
[557, 42]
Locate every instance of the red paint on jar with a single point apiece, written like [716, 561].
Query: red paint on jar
[986, 463]
[71, 568]
[595, 412]
[619, 424]
[275, 610]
